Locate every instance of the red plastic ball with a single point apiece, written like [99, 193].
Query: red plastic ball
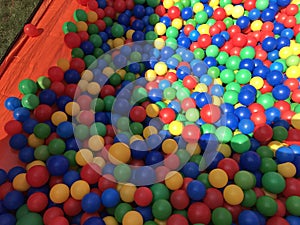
[84, 102]
[213, 198]
[13, 127]
[249, 4]
[186, 182]
[37, 202]
[161, 173]
[235, 51]
[210, 113]
[188, 103]
[282, 105]
[31, 30]
[107, 90]
[221, 25]
[110, 12]
[188, 28]
[255, 107]
[267, 26]
[160, 10]
[258, 118]
[296, 96]
[252, 41]
[292, 83]
[291, 9]
[266, 88]
[170, 76]
[198, 212]
[106, 181]
[290, 22]
[58, 88]
[130, 4]
[239, 40]
[72, 207]
[86, 117]
[190, 82]
[120, 6]
[51, 213]
[100, 24]
[72, 40]
[37, 176]
[172, 162]
[219, 14]
[230, 166]
[55, 180]
[214, 29]
[77, 64]
[90, 173]
[292, 187]
[84, 36]
[234, 30]
[281, 209]
[204, 41]
[235, 210]
[5, 188]
[177, 219]
[59, 220]
[92, 5]
[42, 113]
[276, 220]
[173, 12]
[191, 133]
[72, 90]
[263, 133]
[167, 115]
[179, 199]
[287, 115]
[137, 114]
[55, 73]
[143, 196]
[227, 47]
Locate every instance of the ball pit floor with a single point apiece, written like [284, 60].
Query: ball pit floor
[252, 179]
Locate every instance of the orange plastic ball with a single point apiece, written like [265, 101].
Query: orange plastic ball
[20, 183]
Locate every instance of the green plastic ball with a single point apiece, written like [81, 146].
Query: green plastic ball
[231, 97]
[69, 27]
[249, 198]
[265, 152]
[122, 172]
[22, 211]
[80, 15]
[136, 128]
[98, 128]
[244, 179]
[161, 209]
[153, 3]
[117, 30]
[273, 182]
[30, 101]
[70, 155]
[247, 52]
[221, 216]
[96, 40]
[108, 102]
[31, 218]
[227, 75]
[266, 100]
[233, 62]
[57, 146]
[208, 129]
[77, 53]
[41, 153]
[121, 210]
[240, 143]
[42, 130]
[160, 191]
[43, 82]
[243, 76]
[279, 133]
[293, 205]
[203, 177]
[201, 17]
[268, 165]
[81, 132]
[97, 104]
[224, 134]
[266, 205]
[28, 86]
[262, 5]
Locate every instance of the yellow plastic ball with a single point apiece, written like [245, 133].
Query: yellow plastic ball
[233, 194]
[34, 141]
[218, 178]
[160, 28]
[108, 71]
[287, 169]
[110, 43]
[177, 23]
[135, 137]
[257, 82]
[99, 161]
[293, 72]
[122, 73]
[64, 64]
[216, 100]
[87, 75]
[201, 88]
[118, 42]
[96, 143]
[20, 183]
[84, 156]
[110, 220]
[160, 68]
[132, 218]
[274, 145]
[93, 88]
[159, 43]
[129, 34]
[35, 163]
[119, 153]
[150, 75]
[193, 148]
[169, 146]
[168, 3]
[175, 128]
[225, 150]
[296, 121]
[82, 85]
[214, 3]
[58, 117]
[256, 25]
[174, 180]
[81, 26]
[296, 48]
[79, 189]
[127, 192]
[285, 52]
[92, 16]
[72, 108]
[59, 193]
[229, 9]
[204, 29]
[198, 7]
[152, 110]
[237, 11]
[149, 130]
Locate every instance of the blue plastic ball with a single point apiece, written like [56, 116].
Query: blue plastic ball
[282, 42]
[138, 25]
[94, 221]
[72, 76]
[47, 97]
[254, 14]
[154, 158]
[165, 20]
[218, 40]
[18, 141]
[242, 113]
[7, 219]
[261, 71]
[278, 27]
[293, 220]
[227, 108]
[269, 44]
[246, 126]
[57, 165]
[203, 99]
[13, 200]
[91, 202]
[194, 34]
[284, 154]
[70, 177]
[272, 115]
[186, 13]
[21, 114]
[246, 97]
[11, 103]
[108, 169]
[26, 154]
[65, 129]
[281, 92]
[268, 15]
[146, 212]
[275, 77]
[139, 149]
[110, 198]
[196, 190]
[288, 33]
[273, 55]
[199, 69]
[87, 47]
[13, 172]
[3, 176]
[144, 175]
[247, 64]
[243, 22]
[139, 11]
[190, 169]
[248, 217]
[250, 161]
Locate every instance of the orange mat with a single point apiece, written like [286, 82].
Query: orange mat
[31, 58]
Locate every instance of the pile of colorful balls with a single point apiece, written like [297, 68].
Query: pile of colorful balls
[173, 112]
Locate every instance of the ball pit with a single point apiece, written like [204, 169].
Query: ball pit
[169, 112]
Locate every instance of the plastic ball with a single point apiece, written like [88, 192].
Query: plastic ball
[273, 182]
[91, 203]
[59, 193]
[293, 204]
[174, 180]
[37, 176]
[199, 213]
[161, 209]
[37, 202]
[132, 217]
[13, 200]
[110, 197]
[233, 194]
[196, 190]
[79, 189]
[143, 196]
